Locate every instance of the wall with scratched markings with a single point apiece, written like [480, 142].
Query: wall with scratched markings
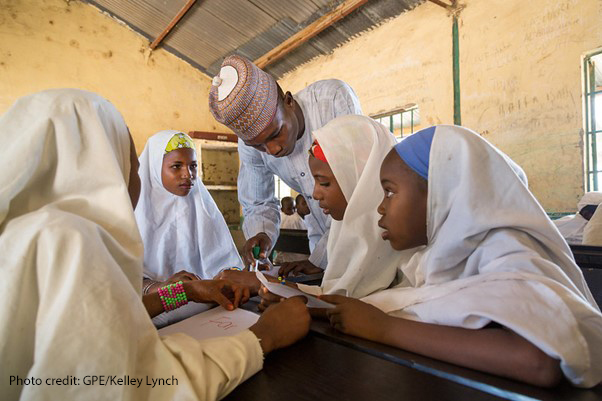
[520, 79]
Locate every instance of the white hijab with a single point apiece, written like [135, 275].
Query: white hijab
[494, 255]
[179, 232]
[66, 162]
[71, 264]
[572, 227]
[359, 261]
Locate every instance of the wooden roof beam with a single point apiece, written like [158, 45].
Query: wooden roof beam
[172, 24]
[340, 12]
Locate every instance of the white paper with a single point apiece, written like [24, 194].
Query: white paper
[272, 272]
[310, 289]
[286, 292]
[216, 322]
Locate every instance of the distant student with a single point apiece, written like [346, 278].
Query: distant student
[488, 282]
[302, 207]
[289, 219]
[71, 267]
[572, 227]
[345, 163]
[592, 233]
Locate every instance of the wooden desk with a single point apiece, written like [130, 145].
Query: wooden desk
[328, 365]
[318, 369]
[587, 256]
[292, 241]
[483, 382]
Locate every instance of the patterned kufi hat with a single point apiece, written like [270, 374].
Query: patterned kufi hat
[243, 97]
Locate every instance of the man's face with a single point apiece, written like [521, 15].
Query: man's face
[278, 139]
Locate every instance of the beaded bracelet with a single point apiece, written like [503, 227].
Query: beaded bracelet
[172, 296]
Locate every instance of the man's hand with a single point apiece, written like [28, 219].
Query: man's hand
[262, 241]
[282, 324]
[297, 268]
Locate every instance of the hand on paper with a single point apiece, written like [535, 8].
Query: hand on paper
[357, 318]
[268, 298]
[226, 293]
[265, 244]
[298, 267]
[182, 275]
[243, 278]
[282, 324]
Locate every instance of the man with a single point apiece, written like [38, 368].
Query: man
[274, 130]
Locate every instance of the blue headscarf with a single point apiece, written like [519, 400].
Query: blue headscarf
[416, 149]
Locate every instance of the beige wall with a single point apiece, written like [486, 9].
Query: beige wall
[520, 79]
[52, 44]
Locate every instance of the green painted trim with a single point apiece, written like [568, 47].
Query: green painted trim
[456, 71]
[587, 166]
[592, 127]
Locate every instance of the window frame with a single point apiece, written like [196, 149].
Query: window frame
[591, 127]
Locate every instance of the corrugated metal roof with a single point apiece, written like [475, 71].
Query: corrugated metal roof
[213, 29]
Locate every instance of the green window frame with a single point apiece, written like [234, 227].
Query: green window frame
[593, 123]
[401, 122]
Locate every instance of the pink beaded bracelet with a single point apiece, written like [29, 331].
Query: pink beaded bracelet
[172, 296]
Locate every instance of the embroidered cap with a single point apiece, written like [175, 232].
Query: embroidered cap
[243, 97]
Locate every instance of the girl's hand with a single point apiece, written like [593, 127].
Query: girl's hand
[182, 275]
[268, 298]
[243, 278]
[282, 324]
[225, 293]
[354, 317]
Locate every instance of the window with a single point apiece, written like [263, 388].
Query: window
[592, 69]
[401, 122]
[280, 188]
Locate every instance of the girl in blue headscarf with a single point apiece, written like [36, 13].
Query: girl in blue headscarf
[487, 280]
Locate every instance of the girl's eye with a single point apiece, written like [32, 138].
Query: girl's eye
[324, 184]
[175, 166]
[388, 194]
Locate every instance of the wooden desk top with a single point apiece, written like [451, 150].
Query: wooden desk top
[318, 369]
[330, 365]
[504, 388]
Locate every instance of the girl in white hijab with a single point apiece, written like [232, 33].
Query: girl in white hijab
[180, 224]
[488, 283]
[345, 162]
[347, 155]
[71, 268]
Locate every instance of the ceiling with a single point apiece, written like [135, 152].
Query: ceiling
[213, 29]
